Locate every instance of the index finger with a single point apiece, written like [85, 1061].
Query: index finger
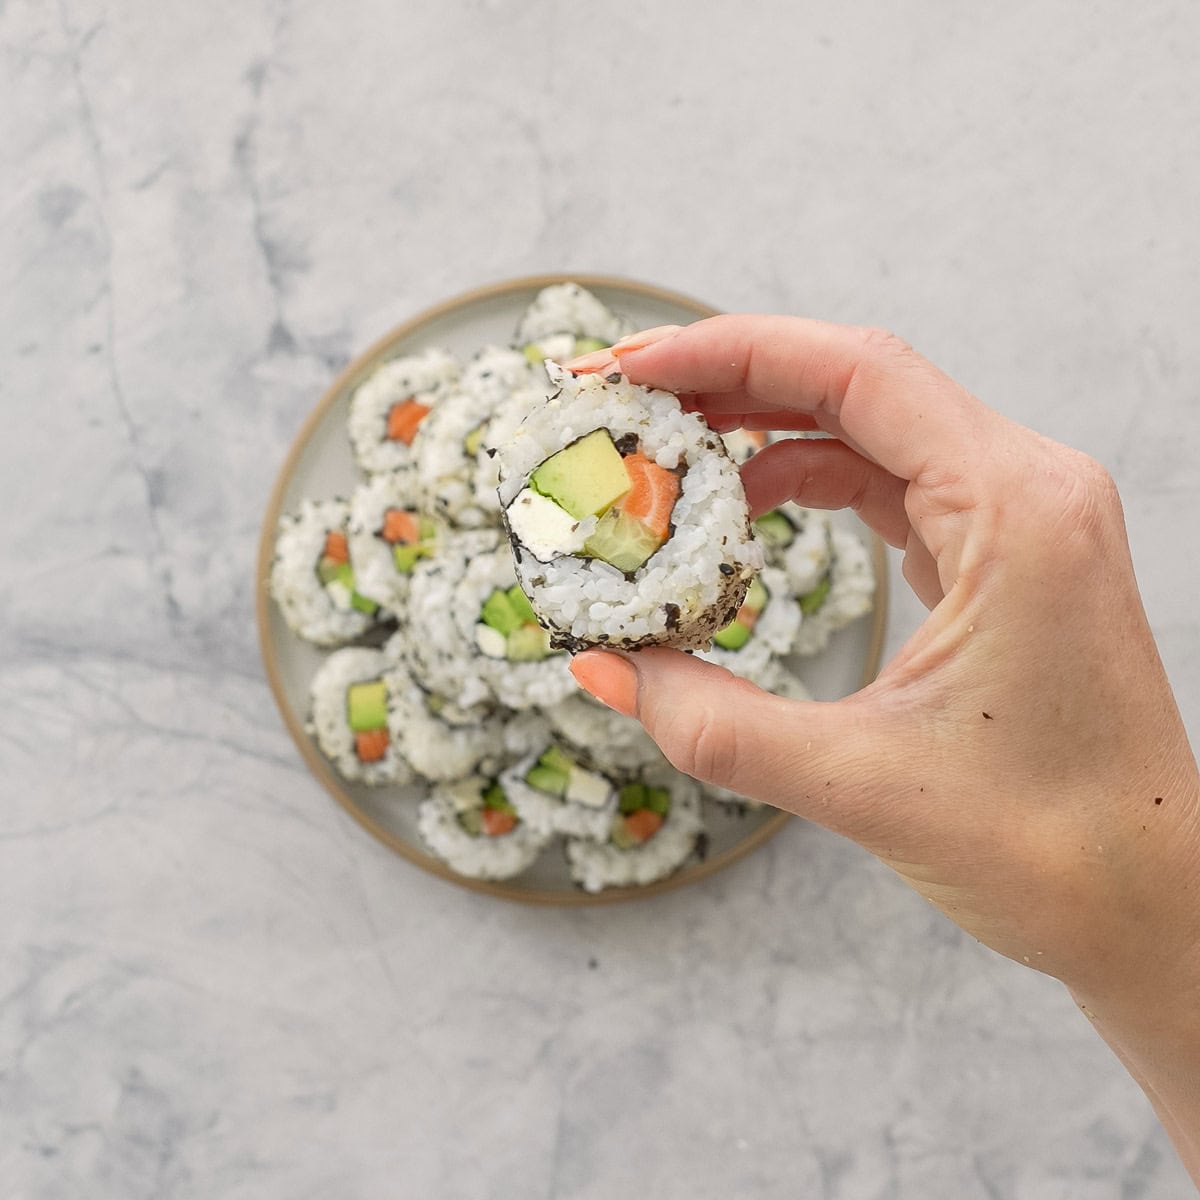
[887, 400]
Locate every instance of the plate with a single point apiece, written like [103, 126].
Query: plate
[319, 464]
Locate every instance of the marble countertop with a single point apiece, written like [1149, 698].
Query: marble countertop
[213, 982]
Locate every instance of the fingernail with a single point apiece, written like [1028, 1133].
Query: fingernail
[587, 364]
[647, 337]
[611, 678]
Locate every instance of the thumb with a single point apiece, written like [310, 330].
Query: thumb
[822, 761]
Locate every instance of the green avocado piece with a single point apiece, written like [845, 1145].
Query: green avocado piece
[527, 643]
[658, 800]
[586, 345]
[473, 440]
[494, 797]
[811, 601]
[519, 603]
[632, 797]
[533, 353]
[775, 529]
[585, 478]
[621, 540]
[733, 637]
[362, 604]
[556, 760]
[366, 705]
[328, 570]
[546, 779]
[756, 596]
[405, 557]
[498, 613]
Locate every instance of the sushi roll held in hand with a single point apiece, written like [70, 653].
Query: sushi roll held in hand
[627, 519]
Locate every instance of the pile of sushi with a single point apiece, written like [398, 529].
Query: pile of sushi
[443, 682]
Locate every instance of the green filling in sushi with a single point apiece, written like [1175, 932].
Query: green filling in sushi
[507, 628]
[557, 774]
[493, 816]
[812, 601]
[641, 811]
[775, 529]
[737, 633]
[337, 575]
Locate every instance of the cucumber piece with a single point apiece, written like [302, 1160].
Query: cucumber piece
[621, 540]
[519, 603]
[556, 760]
[810, 602]
[733, 637]
[756, 596]
[620, 835]
[632, 797]
[472, 821]
[545, 779]
[775, 529]
[362, 604]
[494, 797]
[658, 800]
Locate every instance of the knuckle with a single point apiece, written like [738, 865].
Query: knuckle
[698, 741]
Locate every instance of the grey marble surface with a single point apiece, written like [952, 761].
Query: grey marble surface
[213, 983]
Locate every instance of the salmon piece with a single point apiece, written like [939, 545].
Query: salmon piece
[643, 824]
[653, 493]
[497, 822]
[400, 526]
[336, 549]
[403, 419]
[371, 745]
[747, 615]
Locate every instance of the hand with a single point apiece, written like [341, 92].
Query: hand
[1021, 761]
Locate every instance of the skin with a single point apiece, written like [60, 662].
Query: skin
[1021, 762]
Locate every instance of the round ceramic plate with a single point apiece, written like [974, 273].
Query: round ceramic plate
[319, 465]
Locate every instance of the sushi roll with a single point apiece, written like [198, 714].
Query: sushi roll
[765, 627]
[312, 579]
[566, 320]
[554, 793]
[800, 541]
[472, 826]
[388, 407]
[352, 710]
[448, 442]
[627, 519]
[653, 832]
[845, 593]
[599, 735]
[436, 746]
[388, 536]
[507, 649]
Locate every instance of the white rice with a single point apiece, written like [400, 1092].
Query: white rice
[424, 377]
[569, 308]
[318, 612]
[598, 865]
[694, 583]
[851, 593]
[329, 724]
[477, 856]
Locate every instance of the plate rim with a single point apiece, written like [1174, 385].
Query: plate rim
[316, 763]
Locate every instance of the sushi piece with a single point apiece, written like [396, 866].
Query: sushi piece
[388, 536]
[447, 445]
[655, 829]
[845, 593]
[764, 629]
[800, 542]
[554, 793]
[601, 736]
[566, 320]
[312, 579]
[388, 407]
[472, 826]
[627, 518]
[352, 704]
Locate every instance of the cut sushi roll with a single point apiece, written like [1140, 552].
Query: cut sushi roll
[448, 443]
[388, 536]
[627, 518]
[653, 833]
[387, 408]
[554, 793]
[765, 627]
[566, 320]
[312, 579]
[846, 593]
[436, 747]
[601, 736]
[351, 706]
[432, 642]
[507, 648]
[472, 826]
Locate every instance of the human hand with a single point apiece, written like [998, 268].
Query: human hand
[1020, 762]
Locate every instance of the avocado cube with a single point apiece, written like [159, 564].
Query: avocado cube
[658, 800]
[329, 570]
[494, 797]
[498, 614]
[362, 604]
[775, 529]
[587, 345]
[621, 540]
[733, 637]
[585, 478]
[556, 760]
[366, 705]
[405, 557]
[811, 601]
[756, 596]
[533, 353]
[545, 779]
[473, 440]
[519, 603]
[472, 821]
[632, 797]
[528, 643]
